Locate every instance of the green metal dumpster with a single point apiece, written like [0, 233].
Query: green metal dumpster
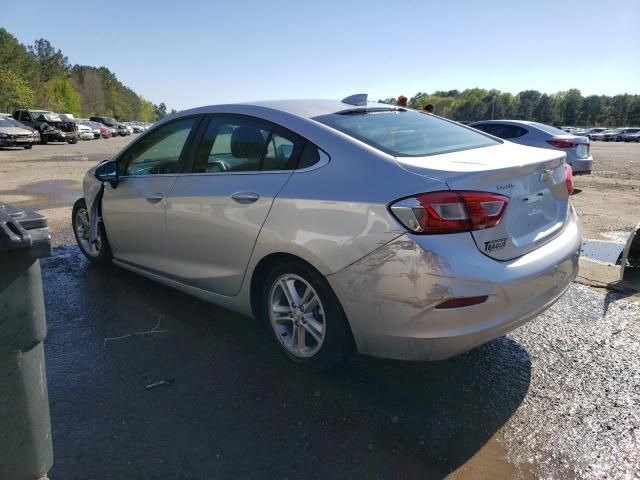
[25, 427]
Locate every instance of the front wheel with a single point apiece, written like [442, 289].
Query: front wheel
[305, 316]
[73, 140]
[28, 147]
[98, 251]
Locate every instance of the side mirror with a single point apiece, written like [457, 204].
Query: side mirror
[108, 172]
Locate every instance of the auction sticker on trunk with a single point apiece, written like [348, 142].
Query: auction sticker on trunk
[496, 244]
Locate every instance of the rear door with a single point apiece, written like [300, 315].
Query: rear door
[215, 213]
[134, 210]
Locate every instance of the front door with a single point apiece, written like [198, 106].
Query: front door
[134, 210]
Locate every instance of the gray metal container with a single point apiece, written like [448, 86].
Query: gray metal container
[25, 427]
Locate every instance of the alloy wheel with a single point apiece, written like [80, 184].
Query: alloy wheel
[297, 315]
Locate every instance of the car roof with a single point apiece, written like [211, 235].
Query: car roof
[306, 108]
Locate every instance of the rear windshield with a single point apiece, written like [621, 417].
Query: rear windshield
[548, 128]
[406, 133]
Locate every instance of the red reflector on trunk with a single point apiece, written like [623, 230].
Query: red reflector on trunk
[569, 172]
[462, 302]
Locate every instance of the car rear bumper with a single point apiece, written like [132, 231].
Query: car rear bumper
[390, 296]
[581, 166]
[13, 142]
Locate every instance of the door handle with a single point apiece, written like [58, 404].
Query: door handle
[154, 198]
[245, 197]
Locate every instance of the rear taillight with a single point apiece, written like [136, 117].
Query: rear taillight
[450, 211]
[562, 143]
[569, 171]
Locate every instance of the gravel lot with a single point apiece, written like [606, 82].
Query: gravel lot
[557, 398]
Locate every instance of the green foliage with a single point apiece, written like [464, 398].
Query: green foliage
[52, 63]
[561, 108]
[14, 90]
[59, 95]
[40, 76]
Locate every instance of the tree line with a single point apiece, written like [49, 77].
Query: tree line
[39, 76]
[561, 108]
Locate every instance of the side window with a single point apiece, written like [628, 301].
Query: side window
[25, 117]
[491, 129]
[310, 156]
[283, 151]
[160, 150]
[512, 131]
[232, 144]
[237, 144]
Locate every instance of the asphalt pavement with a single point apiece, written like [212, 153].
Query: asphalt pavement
[557, 398]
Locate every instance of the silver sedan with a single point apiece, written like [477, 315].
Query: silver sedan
[341, 224]
[534, 134]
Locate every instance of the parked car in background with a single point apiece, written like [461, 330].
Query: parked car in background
[85, 131]
[116, 127]
[135, 127]
[452, 238]
[592, 133]
[568, 129]
[599, 136]
[615, 134]
[95, 128]
[36, 134]
[632, 137]
[539, 135]
[13, 135]
[51, 127]
[625, 132]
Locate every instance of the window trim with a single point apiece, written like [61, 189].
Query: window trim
[325, 158]
[123, 163]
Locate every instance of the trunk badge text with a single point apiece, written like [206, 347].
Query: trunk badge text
[493, 245]
[505, 186]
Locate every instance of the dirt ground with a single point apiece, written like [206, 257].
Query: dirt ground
[609, 198]
[474, 416]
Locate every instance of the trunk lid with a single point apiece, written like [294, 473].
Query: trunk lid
[582, 143]
[534, 179]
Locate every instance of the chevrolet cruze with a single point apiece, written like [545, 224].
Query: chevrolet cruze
[341, 224]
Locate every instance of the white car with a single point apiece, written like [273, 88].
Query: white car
[534, 134]
[85, 131]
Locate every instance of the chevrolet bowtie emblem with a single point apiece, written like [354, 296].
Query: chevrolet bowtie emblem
[546, 175]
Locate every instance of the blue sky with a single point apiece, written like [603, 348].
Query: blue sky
[191, 53]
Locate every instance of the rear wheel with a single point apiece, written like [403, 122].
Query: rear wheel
[305, 316]
[98, 251]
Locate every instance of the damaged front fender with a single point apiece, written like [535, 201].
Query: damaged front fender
[93, 190]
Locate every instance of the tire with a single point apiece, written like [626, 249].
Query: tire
[100, 254]
[73, 141]
[325, 340]
[28, 147]
[43, 139]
